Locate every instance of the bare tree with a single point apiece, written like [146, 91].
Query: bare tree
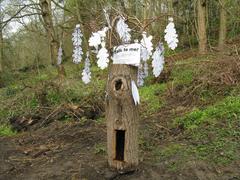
[14, 10]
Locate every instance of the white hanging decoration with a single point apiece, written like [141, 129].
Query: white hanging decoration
[103, 57]
[140, 77]
[60, 53]
[77, 42]
[147, 46]
[171, 36]
[145, 68]
[103, 32]
[123, 30]
[158, 60]
[107, 18]
[86, 74]
[144, 54]
[96, 38]
[135, 94]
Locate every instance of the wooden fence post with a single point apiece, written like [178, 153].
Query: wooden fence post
[122, 118]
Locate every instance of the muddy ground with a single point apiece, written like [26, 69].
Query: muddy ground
[70, 151]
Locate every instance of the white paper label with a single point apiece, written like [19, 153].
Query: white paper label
[127, 54]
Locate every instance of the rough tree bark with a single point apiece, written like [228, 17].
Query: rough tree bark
[48, 25]
[223, 24]
[122, 118]
[201, 19]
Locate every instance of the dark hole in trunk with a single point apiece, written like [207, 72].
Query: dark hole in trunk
[118, 84]
[120, 143]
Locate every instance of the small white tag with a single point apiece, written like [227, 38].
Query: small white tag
[127, 54]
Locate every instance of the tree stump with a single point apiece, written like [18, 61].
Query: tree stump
[122, 118]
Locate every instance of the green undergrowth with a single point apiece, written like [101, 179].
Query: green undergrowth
[173, 155]
[182, 76]
[100, 148]
[152, 97]
[6, 131]
[29, 92]
[210, 134]
[215, 130]
[184, 72]
[228, 109]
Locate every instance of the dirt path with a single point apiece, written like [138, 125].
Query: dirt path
[71, 151]
[56, 152]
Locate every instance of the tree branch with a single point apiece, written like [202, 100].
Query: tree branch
[15, 16]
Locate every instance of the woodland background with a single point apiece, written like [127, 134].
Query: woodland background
[53, 126]
[199, 23]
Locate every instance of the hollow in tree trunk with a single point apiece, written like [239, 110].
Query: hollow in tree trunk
[122, 118]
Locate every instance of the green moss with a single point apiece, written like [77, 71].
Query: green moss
[6, 131]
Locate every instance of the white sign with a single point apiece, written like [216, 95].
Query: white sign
[127, 54]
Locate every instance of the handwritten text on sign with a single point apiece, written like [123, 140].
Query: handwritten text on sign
[127, 54]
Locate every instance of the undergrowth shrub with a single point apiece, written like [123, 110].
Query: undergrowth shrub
[229, 109]
[6, 131]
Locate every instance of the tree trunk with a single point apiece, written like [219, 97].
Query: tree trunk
[202, 35]
[1, 41]
[170, 7]
[48, 25]
[133, 9]
[1, 49]
[223, 25]
[52, 39]
[122, 118]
